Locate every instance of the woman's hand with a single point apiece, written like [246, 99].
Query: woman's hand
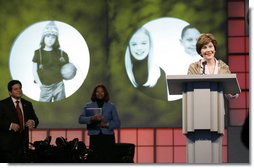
[96, 117]
[232, 96]
[104, 124]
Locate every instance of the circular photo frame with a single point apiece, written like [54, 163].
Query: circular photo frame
[71, 42]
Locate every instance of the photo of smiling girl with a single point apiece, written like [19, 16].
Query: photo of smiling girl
[142, 70]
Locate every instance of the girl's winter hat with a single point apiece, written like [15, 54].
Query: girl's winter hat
[50, 28]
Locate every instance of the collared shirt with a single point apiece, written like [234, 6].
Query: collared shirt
[215, 70]
[197, 68]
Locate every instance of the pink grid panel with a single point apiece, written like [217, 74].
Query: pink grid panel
[179, 141]
[179, 154]
[164, 145]
[237, 63]
[238, 48]
[236, 27]
[128, 135]
[236, 9]
[164, 154]
[164, 136]
[145, 154]
[145, 142]
[236, 44]
[145, 136]
[241, 77]
[179, 137]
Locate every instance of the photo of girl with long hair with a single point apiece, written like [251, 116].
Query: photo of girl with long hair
[142, 70]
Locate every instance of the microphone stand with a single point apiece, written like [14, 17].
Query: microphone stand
[204, 64]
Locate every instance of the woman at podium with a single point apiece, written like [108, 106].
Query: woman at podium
[206, 47]
[203, 105]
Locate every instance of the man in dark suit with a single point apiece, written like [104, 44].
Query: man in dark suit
[14, 128]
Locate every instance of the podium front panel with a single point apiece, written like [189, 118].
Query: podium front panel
[203, 107]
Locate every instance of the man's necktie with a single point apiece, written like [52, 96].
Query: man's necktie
[20, 115]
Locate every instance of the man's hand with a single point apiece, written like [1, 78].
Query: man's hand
[15, 127]
[30, 124]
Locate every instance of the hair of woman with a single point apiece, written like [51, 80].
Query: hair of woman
[106, 94]
[153, 69]
[204, 39]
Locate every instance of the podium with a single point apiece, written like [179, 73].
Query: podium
[203, 112]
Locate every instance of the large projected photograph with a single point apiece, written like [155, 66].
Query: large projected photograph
[62, 54]
[55, 66]
[152, 45]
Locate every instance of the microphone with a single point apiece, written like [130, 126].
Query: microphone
[204, 64]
